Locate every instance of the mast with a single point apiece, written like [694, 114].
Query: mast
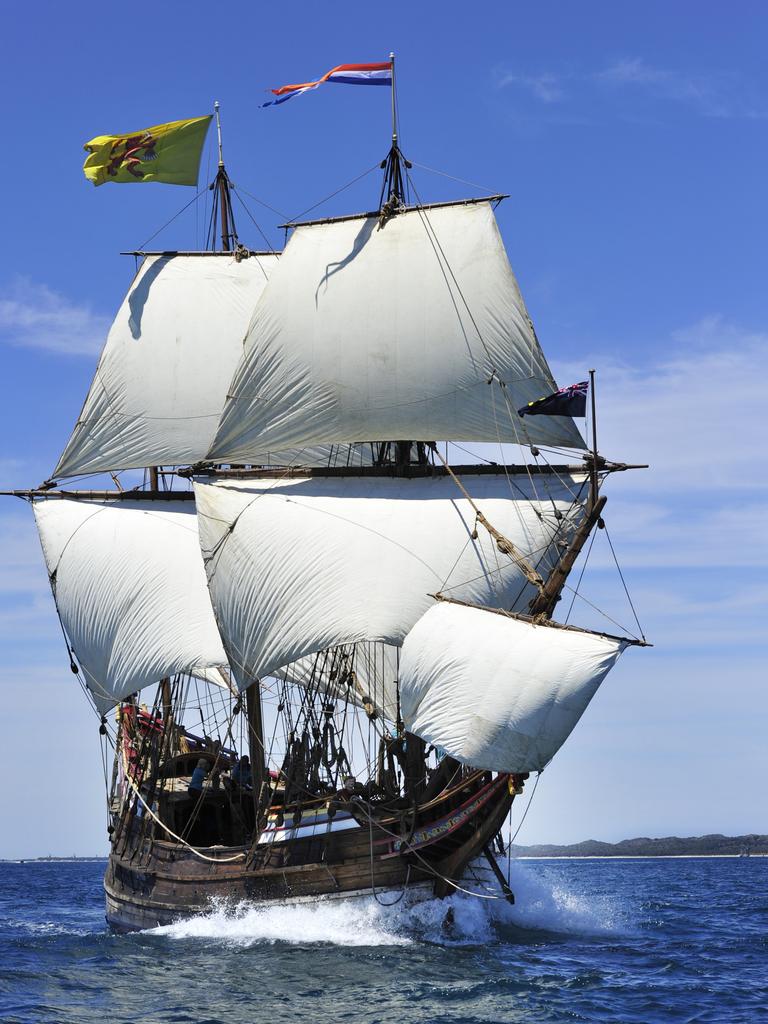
[414, 760]
[593, 477]
[165, 682]
[543, 605]
[255, 745]
[394, 187]
[221, 187]
[394, 105]
[392, 165]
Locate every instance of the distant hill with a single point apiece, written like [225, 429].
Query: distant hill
[50, 859]
[670, 846]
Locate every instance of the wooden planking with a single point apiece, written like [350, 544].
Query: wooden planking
[160, 882]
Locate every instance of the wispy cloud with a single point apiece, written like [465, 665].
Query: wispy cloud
[690, 530]
[691, 413]
[676, 85]
[680, 611]
[725, 94]
[32, 315]
[722, 94]
[21, 558]
[546, 87]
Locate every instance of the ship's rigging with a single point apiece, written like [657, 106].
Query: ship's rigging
[306, 571]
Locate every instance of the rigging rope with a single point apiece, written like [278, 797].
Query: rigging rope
[513, 417]
[504, 544]
[192, 849]
[512, 838]
[254, 221]
[334, 194]
[261, 202]
[462, 181]
[362, 805]
[581, 575]
[601, 612]
[173, 218]
[527, 808]
[435, 242]
[373, 881]
[623, 583]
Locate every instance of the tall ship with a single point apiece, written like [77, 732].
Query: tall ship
[322, 643]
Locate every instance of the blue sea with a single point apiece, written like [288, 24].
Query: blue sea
[588, 940]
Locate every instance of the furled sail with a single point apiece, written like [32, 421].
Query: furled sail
[162, 378]
[498, 692]
[130, 588]
[297, 565]
[368, 333]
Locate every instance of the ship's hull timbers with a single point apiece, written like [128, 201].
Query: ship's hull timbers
[423, 852]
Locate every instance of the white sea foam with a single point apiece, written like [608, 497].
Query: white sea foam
[543, 904]
[342, 922]
[362, 921]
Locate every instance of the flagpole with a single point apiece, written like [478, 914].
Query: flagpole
[218, 131]
[223, 186]
[593, 475]
[394, 107]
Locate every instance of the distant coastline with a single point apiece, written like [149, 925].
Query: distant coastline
[716, 845]
[50, 859]
[752, 845]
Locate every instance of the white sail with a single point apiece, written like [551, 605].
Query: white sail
[130, 588]
[496, 692]
[296, 565]
[366, 333]
[162, 378]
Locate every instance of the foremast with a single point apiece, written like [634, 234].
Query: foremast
[148, 319]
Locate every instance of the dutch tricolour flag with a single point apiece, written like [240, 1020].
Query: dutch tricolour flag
[344, 74]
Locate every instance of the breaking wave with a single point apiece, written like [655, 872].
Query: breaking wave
[541, 907]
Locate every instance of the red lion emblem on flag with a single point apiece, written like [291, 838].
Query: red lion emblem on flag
[130, 153]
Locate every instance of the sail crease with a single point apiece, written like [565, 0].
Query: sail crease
[297, 565]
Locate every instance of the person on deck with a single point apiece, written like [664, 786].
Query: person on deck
[241, 773]
[198, 777]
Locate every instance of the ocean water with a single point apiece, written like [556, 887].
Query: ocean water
[589, 940]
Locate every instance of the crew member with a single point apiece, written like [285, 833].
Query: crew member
[241, 773]
[198, 777]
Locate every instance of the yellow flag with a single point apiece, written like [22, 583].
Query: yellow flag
[168, 152]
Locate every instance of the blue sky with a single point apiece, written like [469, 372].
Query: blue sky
[632, 141]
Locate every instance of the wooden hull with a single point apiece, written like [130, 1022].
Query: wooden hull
[150, 882]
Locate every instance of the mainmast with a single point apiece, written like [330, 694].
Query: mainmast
[256, 751]
[165, 682]
[221, 187]
[393, 187]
